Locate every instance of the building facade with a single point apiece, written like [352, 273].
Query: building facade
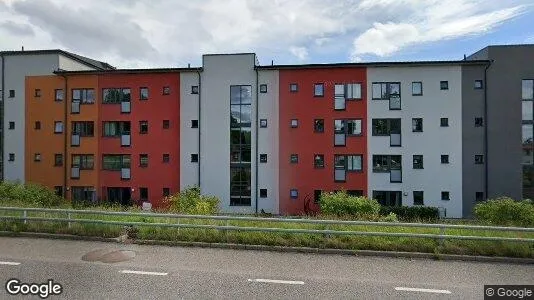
[272, 138]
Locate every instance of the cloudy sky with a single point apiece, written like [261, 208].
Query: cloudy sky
[173, 33]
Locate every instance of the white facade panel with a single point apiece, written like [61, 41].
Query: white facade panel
[431, 143]
[70, 64]
[188, 135]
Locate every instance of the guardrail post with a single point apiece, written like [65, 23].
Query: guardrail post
[226, 230]
[25, 215]
[442, 236]
[69, 223]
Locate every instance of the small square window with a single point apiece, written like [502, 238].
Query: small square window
[166, 124]
[445, 196]
[318, 90]
[263, 158]
[443, 85]
[263, 88]
[418, 162]
[194, 89]
[317, 196]
[59, 95]
[166, 90]
[294, 193]
[143, 160]
[166, 158]
[444, 159]
[143, 127]
[318, 161]
[479, 84]
[417, 125]
[318, 125]
[194, 158]
[479, 122]
[263, 123]
[58, 190]
[417, 88]
[263, 193]
[37, 92]
[294, 123]
[11, 157]
[479, 196]
[58, 159]
[418, 198]
[37, 157]
[58, 127]
[37, 125]
[444, 122]
[194, 123]
[166, 192]
[479, 159]
[293, 87]
[294, 158]
[11, 125]
[143, 93]
[143, 194]
[11, 93]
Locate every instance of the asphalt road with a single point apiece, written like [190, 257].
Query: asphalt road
[160, 272]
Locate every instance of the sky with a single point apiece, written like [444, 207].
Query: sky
[175, 33]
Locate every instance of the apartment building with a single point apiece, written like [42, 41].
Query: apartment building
[271, 138]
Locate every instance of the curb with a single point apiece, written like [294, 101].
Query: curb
[394, 254]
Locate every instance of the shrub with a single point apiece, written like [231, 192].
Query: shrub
[190, 201]
[342, 204]
[29, 195]
[412, 213]
[506, 211]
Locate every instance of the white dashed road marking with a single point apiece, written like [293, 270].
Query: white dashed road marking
[276, 281]
[143, 273]
[407, 289]
[9, 263]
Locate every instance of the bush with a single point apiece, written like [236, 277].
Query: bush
[412, 213]
[342, 204]
[506, 211]
[29, 195]
[190, 201]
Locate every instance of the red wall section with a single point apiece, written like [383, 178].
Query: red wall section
[158, 141]
[303, 141]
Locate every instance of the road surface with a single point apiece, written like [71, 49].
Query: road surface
[161, 272]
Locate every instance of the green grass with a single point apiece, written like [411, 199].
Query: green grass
[426, 245]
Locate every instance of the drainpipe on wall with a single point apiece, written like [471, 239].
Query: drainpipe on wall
[486, 129]
[199, 125]
[256, 139]
[65, 141]
[2, 114]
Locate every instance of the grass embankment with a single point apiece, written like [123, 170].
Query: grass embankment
[487, 248]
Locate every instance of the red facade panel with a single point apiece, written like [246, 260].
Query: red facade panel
[305, 107]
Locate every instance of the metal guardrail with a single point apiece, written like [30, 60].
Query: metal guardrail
[441, 236]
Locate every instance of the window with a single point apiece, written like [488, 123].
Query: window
[143, 194]
[84, 96]
[317, 196]
[318, 161]
[294, 123]
[166, 124]
[194, 123]
[58, 127]
[115, 162]
[479, 84]
[166, 192]
[11, 157]
[37, 157]
[417, 125]
[166, 90]
[58, 190]
[388, 91]
[194, 158]
[318, 90]
[59, 95]
[294, 158]
[443, 85]
[479, 159]
[58, 160]
[194, 89]
[386, 163]
[143, 93]
[339, 132]
[116, 128]
[293, 87]
[527, 89]
[143, 127]
[143, 160]
[263, 123]
[479, 196]
[388, 127]
[444, 122]
[37, 93]
[418, 198]
[418, 162]
[479, 122]
[263, 193]
[37, 125]
[354, 162]
[355, 193]
[417, 88]
[293, 193]
[353, 91]
[263, 88]
[445, 196]
[83, 193]
[263, 158]
[444, 159]
[339, 97]
[240, 185]
[83, 128]
[11, 125]
[11, 93]
[166, 158]
[84, 161]
[318, 125]
[354, 127]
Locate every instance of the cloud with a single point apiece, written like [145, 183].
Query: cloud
[300, 52]
[17, 28]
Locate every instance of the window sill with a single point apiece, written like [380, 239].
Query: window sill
[417, 131]
[417, 94]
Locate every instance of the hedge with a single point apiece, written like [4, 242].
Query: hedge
[412, 213]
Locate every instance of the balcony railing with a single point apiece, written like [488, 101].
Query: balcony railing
[75, 140]
[125, 140]
[394, 103]
[395, 139]
[125, 107]
[75, 107]
[125, 173]
[75, 172]
[395, 175]
[340, 175]
[339, 139]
